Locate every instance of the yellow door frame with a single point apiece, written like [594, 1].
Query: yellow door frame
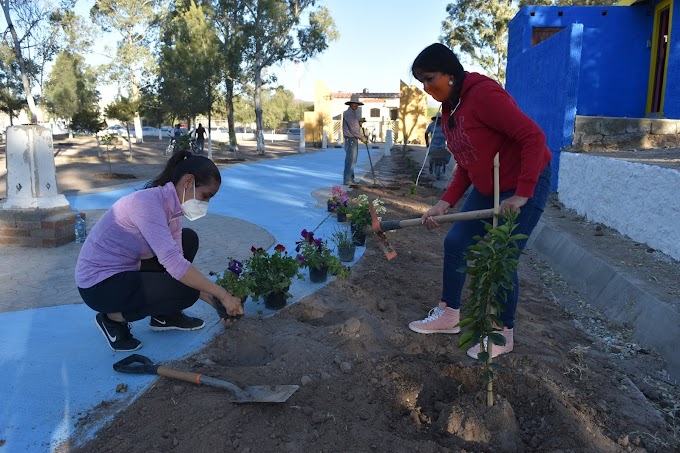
[655, 47]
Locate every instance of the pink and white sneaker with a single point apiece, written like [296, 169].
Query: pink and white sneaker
[441, 319]
[495, 349]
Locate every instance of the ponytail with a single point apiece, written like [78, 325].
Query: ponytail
[184, 162]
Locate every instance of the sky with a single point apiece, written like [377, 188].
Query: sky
[379, 39]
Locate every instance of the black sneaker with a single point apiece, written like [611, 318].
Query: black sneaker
[117, 334]
[176, 321]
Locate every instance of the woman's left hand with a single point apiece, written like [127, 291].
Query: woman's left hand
[512, 204]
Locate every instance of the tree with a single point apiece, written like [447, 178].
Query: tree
[274, 34]
[12, 99]
[31, 14]
[126, 110]
[230, 29]
[71, 87]
[494, 259]
[412, 110]
[478, 30]
[277, 106]
[87, 120]
[151, 106]
[188, 62]
[133, 20]
[244, 111]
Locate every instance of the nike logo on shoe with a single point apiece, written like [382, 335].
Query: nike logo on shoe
[160, 322]
[108, 335]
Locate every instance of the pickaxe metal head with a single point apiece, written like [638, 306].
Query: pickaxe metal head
[382, 239]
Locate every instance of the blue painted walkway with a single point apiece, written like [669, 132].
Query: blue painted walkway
[55, 366]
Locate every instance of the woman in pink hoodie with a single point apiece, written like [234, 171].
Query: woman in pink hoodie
[137, 260]
[479, 120]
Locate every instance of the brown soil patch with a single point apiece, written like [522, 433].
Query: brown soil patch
[114, 176]
[373, 385]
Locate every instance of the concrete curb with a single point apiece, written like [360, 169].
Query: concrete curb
[655, 325]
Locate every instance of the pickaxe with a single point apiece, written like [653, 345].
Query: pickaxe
[379, 227]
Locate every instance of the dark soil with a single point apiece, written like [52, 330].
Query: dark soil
[114, 176]
[370, 384]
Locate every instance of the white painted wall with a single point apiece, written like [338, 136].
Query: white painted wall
[638, 200]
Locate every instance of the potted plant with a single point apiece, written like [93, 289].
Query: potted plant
[361, 216]
[344, 242]
[315, 254]
[270, 275]
[341, 210]
[235, 280]
[337, 196]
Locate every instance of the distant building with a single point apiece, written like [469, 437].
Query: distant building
[404, 113]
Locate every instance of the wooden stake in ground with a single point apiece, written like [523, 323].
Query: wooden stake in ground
[496, 204]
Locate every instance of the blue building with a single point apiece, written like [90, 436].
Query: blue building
[608, 61]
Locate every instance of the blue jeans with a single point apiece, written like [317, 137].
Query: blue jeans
[351, 153]
[461, 234]
[200, 144]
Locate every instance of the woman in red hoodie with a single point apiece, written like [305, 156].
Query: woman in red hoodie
[479, 120]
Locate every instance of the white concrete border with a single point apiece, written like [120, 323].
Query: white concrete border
[638, 200]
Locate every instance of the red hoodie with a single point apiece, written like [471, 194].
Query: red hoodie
[489, 121]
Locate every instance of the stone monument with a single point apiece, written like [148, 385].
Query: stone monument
[34, 214]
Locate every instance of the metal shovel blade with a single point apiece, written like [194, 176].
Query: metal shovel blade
[264, 394]
[251, 393]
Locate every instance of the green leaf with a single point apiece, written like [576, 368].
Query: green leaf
[483, 356]
[465, 339]
[497, 339]
[465, 322]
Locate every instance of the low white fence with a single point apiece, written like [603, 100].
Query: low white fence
[638, 200]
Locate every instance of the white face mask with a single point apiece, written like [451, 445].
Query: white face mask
[193, 209]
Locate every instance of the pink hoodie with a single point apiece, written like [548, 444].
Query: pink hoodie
[139, 226]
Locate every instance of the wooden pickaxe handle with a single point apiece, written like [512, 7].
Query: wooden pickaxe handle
[387, 225]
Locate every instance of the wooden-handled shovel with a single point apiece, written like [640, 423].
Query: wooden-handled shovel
[379, 227]
[138, 364]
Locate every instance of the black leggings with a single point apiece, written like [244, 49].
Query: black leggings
[151, 291]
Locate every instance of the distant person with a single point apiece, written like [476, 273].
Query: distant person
[479, 120]
[436, 141]
[364, 129]
[351, 130]
[177, 132]
[200, 137]
[137, 260]
[374, 135]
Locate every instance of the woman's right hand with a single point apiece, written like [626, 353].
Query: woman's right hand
[439, 209]
[231, 303]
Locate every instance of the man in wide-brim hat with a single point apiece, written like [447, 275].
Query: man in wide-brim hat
[352, 133]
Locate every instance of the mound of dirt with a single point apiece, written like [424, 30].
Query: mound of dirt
[370, 384]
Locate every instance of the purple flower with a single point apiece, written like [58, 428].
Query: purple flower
[236, 267]
[301, 259]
